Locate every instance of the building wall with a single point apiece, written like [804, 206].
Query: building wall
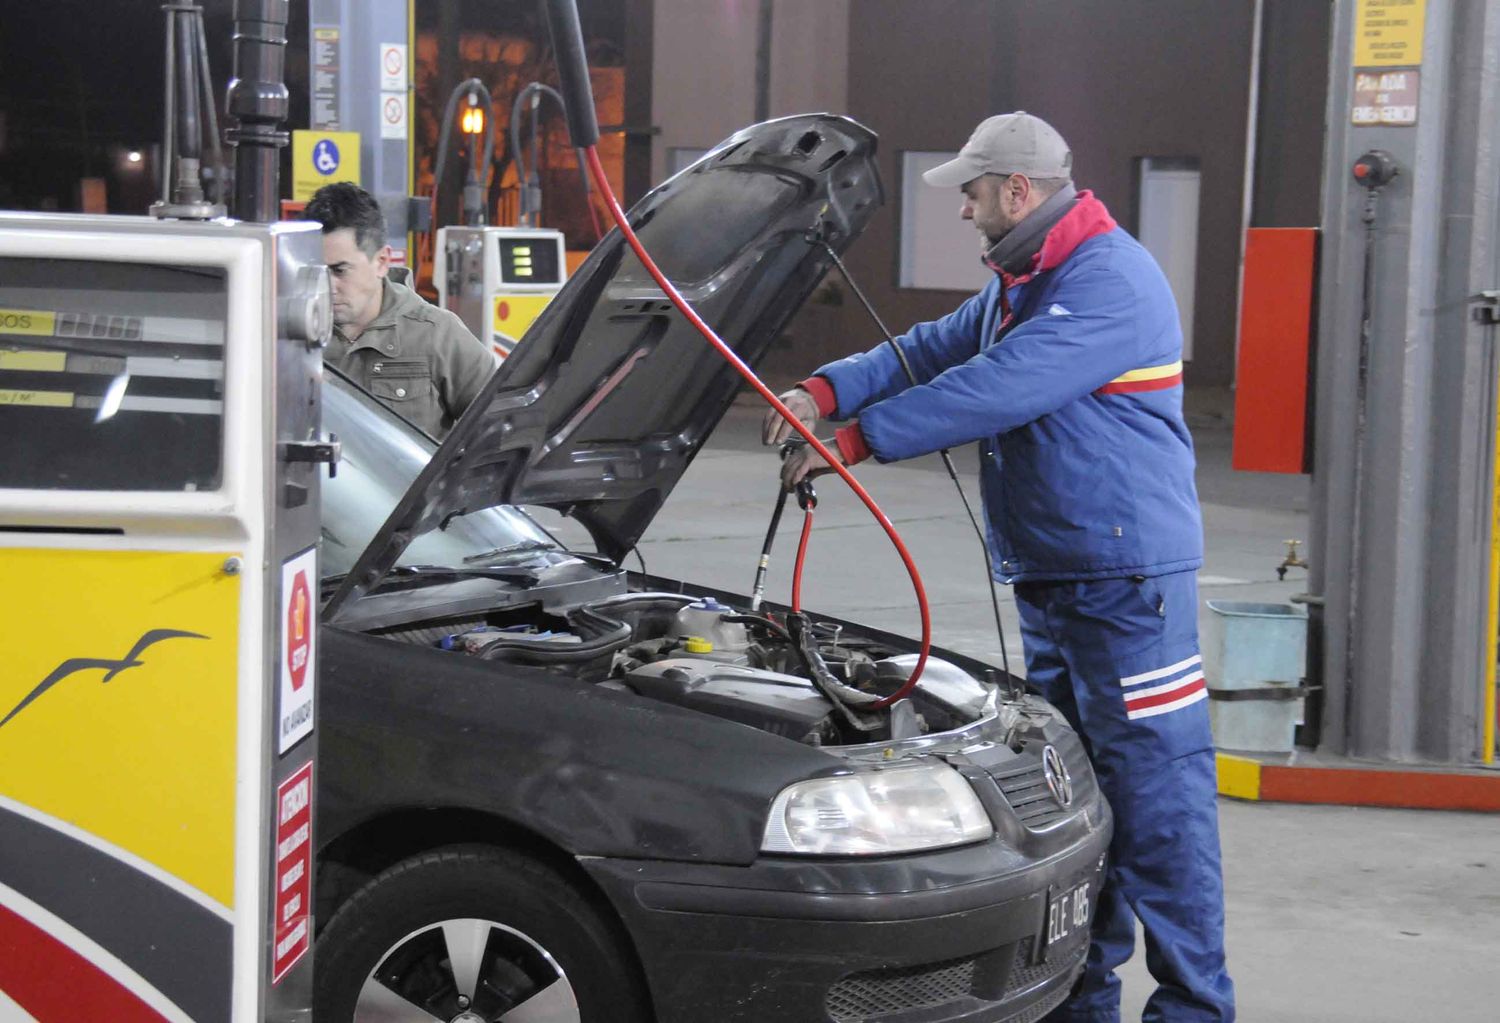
[1293, 97]
[704, 67]
[913, 102]
[703, 73]
[809, 57]
[1121, 79]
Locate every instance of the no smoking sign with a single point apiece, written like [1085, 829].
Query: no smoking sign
[392, 67]
[393, 90]
[393, 115]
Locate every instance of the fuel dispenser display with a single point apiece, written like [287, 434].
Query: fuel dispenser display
[499, 279]
[159, 389]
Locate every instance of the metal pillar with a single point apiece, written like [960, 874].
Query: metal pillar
[351, 34]
[257, 100]
[1402, 505]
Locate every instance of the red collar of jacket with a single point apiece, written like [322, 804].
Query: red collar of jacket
[1087, 218]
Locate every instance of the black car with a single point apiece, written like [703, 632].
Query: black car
[551, 790]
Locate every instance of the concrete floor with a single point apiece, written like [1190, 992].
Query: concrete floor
[1335, 915]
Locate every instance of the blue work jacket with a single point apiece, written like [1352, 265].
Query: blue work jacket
[1070, 377]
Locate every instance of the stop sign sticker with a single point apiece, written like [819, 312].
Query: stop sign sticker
[298, 659]
[299, 632]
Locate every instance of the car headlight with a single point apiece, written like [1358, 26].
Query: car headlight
[877, 812]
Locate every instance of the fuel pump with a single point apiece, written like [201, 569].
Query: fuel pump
[159, 528]
[499, 279]
[496, 279]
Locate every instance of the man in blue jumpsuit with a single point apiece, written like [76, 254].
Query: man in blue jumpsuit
[1067, 370]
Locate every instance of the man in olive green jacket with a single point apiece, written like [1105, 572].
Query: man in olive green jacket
[415, 357]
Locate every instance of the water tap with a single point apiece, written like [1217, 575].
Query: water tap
[1291, 560]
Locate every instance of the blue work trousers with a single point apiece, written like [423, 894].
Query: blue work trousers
[1120, 659]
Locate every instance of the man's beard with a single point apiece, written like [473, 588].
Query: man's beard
[989, 241]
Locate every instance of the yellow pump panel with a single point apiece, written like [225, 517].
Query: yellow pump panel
[119, 701]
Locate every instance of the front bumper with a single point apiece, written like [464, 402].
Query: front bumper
[897, 940]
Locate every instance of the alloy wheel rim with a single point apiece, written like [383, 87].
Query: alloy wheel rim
[467, 970]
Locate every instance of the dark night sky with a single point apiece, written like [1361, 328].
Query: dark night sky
[81, 82]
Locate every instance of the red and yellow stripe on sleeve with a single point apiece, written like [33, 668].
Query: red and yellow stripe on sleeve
[1151, 378]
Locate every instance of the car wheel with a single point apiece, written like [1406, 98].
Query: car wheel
[473, 934]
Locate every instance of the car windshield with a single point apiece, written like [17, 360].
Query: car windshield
[382, 454]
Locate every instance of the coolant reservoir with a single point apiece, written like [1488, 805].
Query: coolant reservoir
[704, 620]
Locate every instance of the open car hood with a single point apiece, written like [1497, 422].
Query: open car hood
[611, 393]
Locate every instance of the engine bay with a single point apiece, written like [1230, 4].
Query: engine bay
[806, 680]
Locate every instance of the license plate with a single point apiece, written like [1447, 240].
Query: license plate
[1068, 915]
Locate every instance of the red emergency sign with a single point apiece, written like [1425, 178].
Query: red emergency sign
[292, 920]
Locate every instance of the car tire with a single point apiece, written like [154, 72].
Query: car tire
[525, 942]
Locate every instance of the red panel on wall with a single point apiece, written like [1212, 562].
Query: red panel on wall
[1272, 380]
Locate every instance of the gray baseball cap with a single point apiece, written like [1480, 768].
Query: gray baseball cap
[1018, 143]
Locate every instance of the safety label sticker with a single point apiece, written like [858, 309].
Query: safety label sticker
[31, 322]
[298, 660]
[322, 157]
[292, 923]
[1386, 97]
[37, 399]
[33, 362]
[393, 115]
[392, 67]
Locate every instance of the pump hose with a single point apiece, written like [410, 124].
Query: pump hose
[583, 131]
[601, 184]
[801, 559]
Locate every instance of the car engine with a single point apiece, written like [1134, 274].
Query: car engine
[782, 673]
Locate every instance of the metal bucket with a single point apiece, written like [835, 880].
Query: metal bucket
[1256, 656]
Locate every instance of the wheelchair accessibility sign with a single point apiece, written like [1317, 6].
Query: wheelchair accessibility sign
[325, 156]
[322, 157]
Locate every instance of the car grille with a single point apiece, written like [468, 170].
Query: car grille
[874, 993]
[884, 994]
[1026, 791]
[1024, 976]
[1041, 1008]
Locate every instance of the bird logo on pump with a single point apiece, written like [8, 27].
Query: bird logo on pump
[109, 665]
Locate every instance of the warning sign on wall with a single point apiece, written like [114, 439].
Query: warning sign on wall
[1388, 33]
[322, 157]
[392, 67]
[291, 925]
[1386, 97]
[325, 78]
[393, 115]
[298, 649]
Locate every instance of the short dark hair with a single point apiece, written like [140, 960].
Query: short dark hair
[1048, 187]
[344, 204]
[1044, 187]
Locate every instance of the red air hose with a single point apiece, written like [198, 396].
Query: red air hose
[801, 559]
[601, 183]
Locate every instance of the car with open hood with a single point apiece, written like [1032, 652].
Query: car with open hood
[554, 790]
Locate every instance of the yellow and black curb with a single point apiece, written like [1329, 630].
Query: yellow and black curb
[1274, 780]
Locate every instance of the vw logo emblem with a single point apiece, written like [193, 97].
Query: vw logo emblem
[1059, 782]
